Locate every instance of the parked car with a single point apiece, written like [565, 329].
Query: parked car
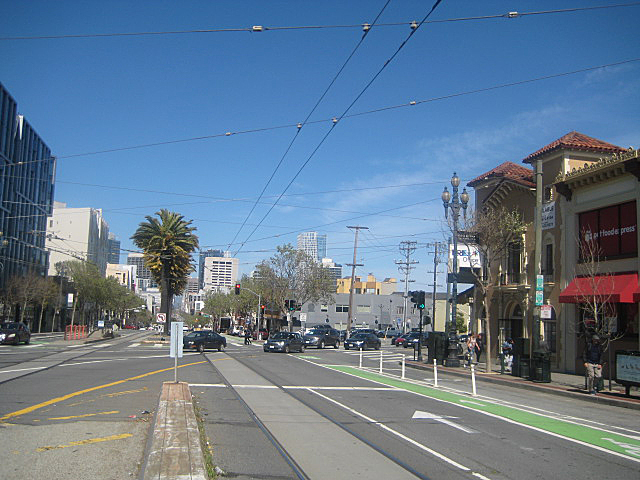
[362, 341]
[355, 331]
[284, 342]
[392, 332]
[398, 341]
[319, 337]
[14, 332]
[204, 340]
[412, 339]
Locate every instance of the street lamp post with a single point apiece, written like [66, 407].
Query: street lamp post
[454, 203]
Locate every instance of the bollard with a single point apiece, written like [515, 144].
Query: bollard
[380, 371]
[403, 367]
[473, 380]
[360, 366]
[435, 372]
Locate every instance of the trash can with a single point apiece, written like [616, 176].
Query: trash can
[523, 366]
[540, 370]
[436, 344]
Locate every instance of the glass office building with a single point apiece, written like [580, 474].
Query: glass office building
[27, 176]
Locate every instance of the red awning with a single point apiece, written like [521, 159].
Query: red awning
[608, 288]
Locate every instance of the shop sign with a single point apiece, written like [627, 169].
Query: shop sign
[468, 257]
[627, 368]
[548, 215]
[613, 229]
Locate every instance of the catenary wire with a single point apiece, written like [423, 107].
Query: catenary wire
[336, 121]
[260, 28]
[301, 125]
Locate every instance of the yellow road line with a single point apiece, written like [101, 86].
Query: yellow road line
[87, 442]
[116, 394]
[84, 416]
[92, 389]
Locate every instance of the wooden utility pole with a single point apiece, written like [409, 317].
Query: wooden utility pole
[407, 247]
[353, 275]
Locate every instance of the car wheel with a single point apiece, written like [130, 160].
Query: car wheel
[346, 348]
[220, 347]
[378, 347]
[201, 348]
[26, 342]
[321, 345]
[286, 349]
[16, 341]
[301, 348]
[337, 345]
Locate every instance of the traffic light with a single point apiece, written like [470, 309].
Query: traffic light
[262, 311]
[290, 305]
[417, 298]
[420, 304]
[237, 289]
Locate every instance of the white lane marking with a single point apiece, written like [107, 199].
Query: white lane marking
[421, 415]
[21, 370]
[473, 403]
[134, 345]
[299, 387]
[157, 345]
[216, 385]
[35, 345]
[101, 345]
[266, 387]
[394, 432]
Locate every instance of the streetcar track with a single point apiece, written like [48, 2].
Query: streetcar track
[342, 425]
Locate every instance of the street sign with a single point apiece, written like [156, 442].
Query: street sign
[303, 317]
[69, 300]
[539, 298]
[539, 283]
[161, 317]
[467, 237]
[175, 348]
[100, 323]
[545, 311]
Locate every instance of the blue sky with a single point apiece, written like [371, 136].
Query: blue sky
[92, 94]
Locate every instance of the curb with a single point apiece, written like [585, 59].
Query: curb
[175, 452]
[560, 390]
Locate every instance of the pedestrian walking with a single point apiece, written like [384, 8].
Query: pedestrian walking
[479, 346]
[247, 336]
[471, 348]
[592, 357]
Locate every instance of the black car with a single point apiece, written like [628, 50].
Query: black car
[284, 342]
[355, 331]
[319, 337]
[14, 332]
[412, 340]
[204, 340]
[363, 341]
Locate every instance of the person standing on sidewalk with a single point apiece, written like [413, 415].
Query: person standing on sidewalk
[479, 346]
[592, 357]
[471, 348]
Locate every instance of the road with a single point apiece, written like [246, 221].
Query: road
[309, 415]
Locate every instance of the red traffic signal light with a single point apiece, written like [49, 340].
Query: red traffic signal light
[237, 289]
[262, 307]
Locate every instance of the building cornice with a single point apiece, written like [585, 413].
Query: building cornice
[603, 170]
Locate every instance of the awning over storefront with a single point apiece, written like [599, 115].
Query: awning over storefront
[609, 288]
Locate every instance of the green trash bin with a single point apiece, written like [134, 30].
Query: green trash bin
[523, 366]
[540, 370]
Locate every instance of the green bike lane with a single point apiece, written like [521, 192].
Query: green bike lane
[626, 446]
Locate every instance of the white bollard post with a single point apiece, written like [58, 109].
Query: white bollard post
[360, 366]
[380, 370]
[435, 373]
[403, 367]
[473, 380]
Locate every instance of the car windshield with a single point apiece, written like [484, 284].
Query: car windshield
[193, 335]
[281, 335]
[10, 326]
[316, 332]
[360, 336]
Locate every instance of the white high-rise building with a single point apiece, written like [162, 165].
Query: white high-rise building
[314, 244]
[220, 273]
[77, 234]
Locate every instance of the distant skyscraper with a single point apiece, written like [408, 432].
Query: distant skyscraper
[221, 273]
[114, 249]
[27, 176]
[314, 244]
[204, 254]
[145, 279]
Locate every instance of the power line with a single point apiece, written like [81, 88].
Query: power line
[261, 28]
[336, 120]
[410, 103]
[300, 125]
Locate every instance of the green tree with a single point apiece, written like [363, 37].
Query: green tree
[293, 275]
[461, 323]
[167, 243]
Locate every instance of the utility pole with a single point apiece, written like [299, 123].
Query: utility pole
[405, 266]
[538, 255]
[353, 275]
[436, 261]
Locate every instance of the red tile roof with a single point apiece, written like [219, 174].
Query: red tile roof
[576, 141]
[508, 170]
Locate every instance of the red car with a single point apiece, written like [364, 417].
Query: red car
[264, 334]
[399, 341]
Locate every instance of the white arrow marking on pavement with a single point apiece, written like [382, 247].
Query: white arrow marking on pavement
[420, 415]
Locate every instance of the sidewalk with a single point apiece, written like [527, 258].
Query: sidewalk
[564, 384]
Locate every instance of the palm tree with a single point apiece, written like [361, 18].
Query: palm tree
[167, 244]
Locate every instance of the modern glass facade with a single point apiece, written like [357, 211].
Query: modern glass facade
[204, 254]
[314, 244]
[27, 176]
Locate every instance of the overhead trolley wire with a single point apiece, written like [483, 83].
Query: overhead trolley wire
[336, 120]
[261, 28]
[301, 125]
